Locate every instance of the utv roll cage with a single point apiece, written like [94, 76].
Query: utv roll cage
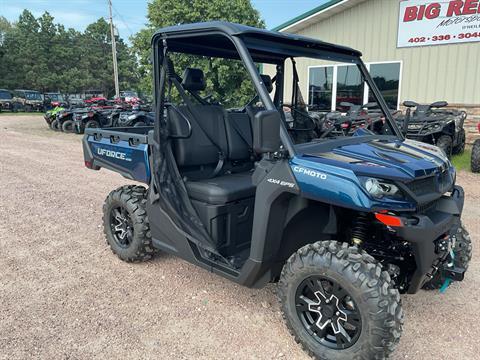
[251, 45]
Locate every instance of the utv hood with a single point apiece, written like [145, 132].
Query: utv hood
[378, 156]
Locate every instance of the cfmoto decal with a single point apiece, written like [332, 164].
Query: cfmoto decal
[310, 172]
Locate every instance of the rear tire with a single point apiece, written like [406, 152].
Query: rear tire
[92, 124]
[367, 299]
[67, 126]
[475, 160]
[444, 142]
[460, 148]
[463, 255]
[126, 225]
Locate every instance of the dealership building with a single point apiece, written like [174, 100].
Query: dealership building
[417, 50]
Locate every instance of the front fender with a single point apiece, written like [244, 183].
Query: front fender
[338, 186]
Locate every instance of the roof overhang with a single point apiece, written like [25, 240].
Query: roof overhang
[215, 39]
[317, 14]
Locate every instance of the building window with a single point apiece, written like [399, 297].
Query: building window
[387, 78]
[320, 88]
[328, 86]
[349, 86]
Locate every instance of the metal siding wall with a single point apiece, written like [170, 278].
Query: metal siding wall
[430, 73]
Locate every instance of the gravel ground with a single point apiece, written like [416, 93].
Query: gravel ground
[63, 294]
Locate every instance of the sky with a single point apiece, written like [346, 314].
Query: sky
[130, 15]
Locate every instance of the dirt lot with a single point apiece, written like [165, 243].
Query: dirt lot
[63, 294]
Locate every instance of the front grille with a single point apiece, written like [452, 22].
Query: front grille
[422, 186]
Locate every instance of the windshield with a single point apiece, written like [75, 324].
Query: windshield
[331, 99]
[30, 95]
[56, 97]
[5, 95]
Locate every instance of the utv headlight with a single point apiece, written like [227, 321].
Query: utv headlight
[379, 188]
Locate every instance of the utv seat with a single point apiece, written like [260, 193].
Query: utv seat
[199, 154]
[222, 189]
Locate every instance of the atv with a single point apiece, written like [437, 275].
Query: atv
[343, 222]
[51, 115]
[475, 159]
[92, 117]
[434, 125]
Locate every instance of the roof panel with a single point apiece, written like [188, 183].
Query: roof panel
[264, 45]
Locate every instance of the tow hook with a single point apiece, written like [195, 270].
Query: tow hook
[451, 272]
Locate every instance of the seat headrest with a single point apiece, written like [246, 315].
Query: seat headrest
[267, 81]
[193, 80]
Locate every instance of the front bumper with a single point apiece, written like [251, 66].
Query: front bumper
[422, 230]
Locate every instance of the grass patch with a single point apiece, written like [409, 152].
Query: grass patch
[462, 161]
[20, 113]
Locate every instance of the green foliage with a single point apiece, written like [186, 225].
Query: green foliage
[36, 53]
[226, 80]
[462, 161]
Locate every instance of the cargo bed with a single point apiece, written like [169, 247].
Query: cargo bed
[123, 150]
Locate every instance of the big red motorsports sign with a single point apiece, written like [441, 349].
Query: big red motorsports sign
[426, 22]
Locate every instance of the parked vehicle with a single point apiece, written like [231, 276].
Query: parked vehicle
[52, 100]
[130, 97]
[92, 117]
[8, 101]
[51, 115]
[30, 100]
[343, 223]
[475, 159]
[434, 125]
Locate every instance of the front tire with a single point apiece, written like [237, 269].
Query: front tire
[463, 255]
[460, 147]
[366, 317]
[92, 124]
[475, 160]
[444, 142]
[67, 126]
[126, 225]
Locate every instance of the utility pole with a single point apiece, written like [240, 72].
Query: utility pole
[114, 51]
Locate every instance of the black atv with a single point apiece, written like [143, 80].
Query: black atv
[94, 117]
[433, 125]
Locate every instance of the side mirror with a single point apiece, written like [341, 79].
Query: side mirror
[266, 131]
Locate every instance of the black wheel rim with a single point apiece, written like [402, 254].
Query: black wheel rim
[328, 312]
[121, 226]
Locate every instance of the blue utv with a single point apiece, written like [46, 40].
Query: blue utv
[343, 221]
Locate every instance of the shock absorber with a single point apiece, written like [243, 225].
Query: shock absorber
[359, 230]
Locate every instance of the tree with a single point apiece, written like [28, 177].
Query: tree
[37, 53]
[225, 79]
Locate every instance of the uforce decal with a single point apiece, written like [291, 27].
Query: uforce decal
[281, 182]
[310, 172]
[113, 154]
